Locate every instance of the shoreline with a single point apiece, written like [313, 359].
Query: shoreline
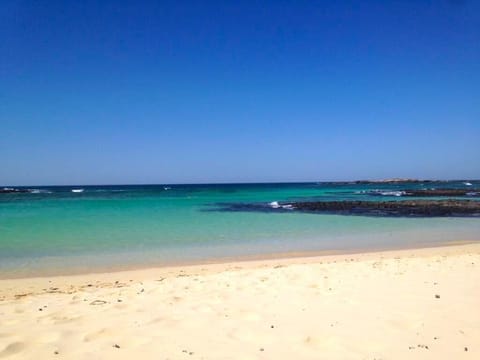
[224, 260]
[249, 262]
[414, 303]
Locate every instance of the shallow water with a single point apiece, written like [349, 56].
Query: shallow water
[55, 229]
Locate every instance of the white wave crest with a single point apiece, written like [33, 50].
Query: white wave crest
[382, 192]
[274, 205]
[392, 193]
[39, 191]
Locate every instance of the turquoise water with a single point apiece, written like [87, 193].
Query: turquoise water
[52, 229]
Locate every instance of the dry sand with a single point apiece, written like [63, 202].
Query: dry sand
[408, 304]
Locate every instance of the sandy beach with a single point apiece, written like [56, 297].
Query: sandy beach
[405, 304]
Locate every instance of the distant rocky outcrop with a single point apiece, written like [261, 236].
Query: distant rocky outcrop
[442, 192]
[13, 190]
[392, 181]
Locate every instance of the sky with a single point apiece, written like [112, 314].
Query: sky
[123, 92]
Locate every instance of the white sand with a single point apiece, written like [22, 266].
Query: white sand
[362, 306]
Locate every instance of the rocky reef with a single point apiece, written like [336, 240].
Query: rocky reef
[403, 208]
[442, 192]
[394, 208]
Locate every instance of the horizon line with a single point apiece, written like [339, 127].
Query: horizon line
[250, 182]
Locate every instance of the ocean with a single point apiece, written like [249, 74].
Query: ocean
[69, 229]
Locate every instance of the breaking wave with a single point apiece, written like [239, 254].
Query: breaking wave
[276, 205]
[378, 192]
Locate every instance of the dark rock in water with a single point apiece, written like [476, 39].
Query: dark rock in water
[13, 191]
[404, 208]
[422, 192]
[442, 192]
[394, 208]
[392, 181]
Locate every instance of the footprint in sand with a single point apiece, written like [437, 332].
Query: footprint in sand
[12, 348]
[76, 300]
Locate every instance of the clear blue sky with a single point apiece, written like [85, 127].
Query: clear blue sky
[102, 92]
